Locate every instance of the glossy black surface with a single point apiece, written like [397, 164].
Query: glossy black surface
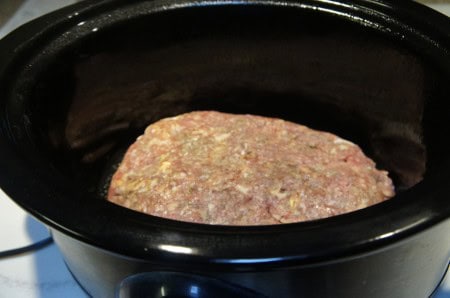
[411, 268]
[77, 86]
[179, 285]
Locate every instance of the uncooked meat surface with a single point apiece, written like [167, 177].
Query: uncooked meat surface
[217, 168]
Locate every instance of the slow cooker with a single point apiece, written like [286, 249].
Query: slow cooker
[77, 87]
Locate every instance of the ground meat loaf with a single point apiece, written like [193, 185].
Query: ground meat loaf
[218, 168]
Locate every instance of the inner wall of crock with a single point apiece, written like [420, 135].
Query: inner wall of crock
[309, 68]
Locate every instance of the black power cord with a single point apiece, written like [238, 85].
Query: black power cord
[440, 282]
[25, 249]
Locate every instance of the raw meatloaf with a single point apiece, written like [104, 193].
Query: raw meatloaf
[218, 168]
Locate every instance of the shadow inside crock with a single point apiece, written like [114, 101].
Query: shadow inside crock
[52, 276]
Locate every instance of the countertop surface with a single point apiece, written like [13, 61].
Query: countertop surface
[42, 273]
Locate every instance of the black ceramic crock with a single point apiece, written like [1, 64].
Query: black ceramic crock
[78, 85]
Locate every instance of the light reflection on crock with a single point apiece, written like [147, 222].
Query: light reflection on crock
[411, 226]
[251, 261]
[335, 3]
[176, 249]
[194, 291]
[386, 235]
